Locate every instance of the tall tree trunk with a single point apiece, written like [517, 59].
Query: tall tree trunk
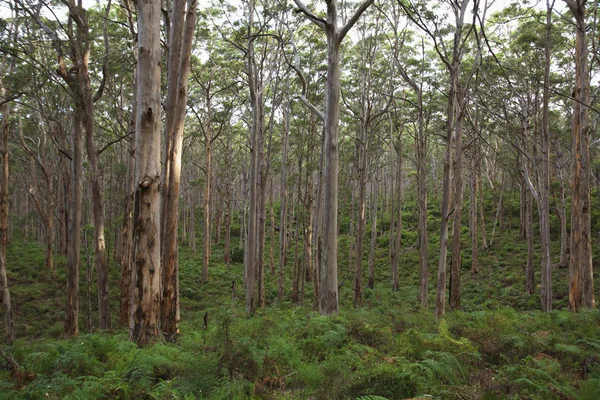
[97, 208]
[262, 218]
[440, 299]
[392, 235]
[522, 212]
[272, 231]
[71, 327]
[498, 216]
[308, 229]
[283, 211]
[473, 202]
[484, 242]
[256, 131]
[9, 320]
[371, 282]
[145, 303]
[581, 288]
[192, 237]
[397, 239]
[208, 139]
[127, 229]
[421, 157]
[169, 312]
[528, 220]
[543, 166]
[317, 229]
[227, 249]
[329, 299]
[297, 274]
[4, 209]
[457, 213]
[452, 164]
[361, 217]
[561, 213]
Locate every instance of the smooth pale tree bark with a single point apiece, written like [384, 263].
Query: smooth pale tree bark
[265, 169]
[208, 141]
[227, 222]
[308, 229]
[9, 319]
[421, 163]
[4, 208]
[541, 191]
[256, 139]
[375, 192]
[522, 212]
[260, 78]
[71, 327]
[528, 193]
[4, 164]
[283, 212]
[561, 214]
[145, 302]
[298, 271]
[175, 124]
[529, 268]
[543, 165]
[317, 230]
[396, 230]
[329, 299]
[127, 228]
[473, 202]
[97, 207]
[175, 22]
[581, 287]
[455, 110]
[272, 229]
[367, 116]
[361, 217]
[440, 301]
[484, 242]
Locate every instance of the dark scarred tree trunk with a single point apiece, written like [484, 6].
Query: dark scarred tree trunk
[145, 304]
[581, 288]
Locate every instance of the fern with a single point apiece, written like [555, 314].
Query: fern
[441, 366]
[371, 397]
[590, 343]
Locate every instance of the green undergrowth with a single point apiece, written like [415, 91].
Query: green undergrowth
[499, 346]
[293, 353]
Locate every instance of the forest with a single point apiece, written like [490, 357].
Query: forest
[283, 199]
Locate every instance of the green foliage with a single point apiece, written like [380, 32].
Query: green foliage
[370, 397]
[497, 347]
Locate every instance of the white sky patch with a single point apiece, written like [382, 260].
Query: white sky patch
[60, 11]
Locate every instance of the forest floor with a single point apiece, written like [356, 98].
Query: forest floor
[499, 346]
